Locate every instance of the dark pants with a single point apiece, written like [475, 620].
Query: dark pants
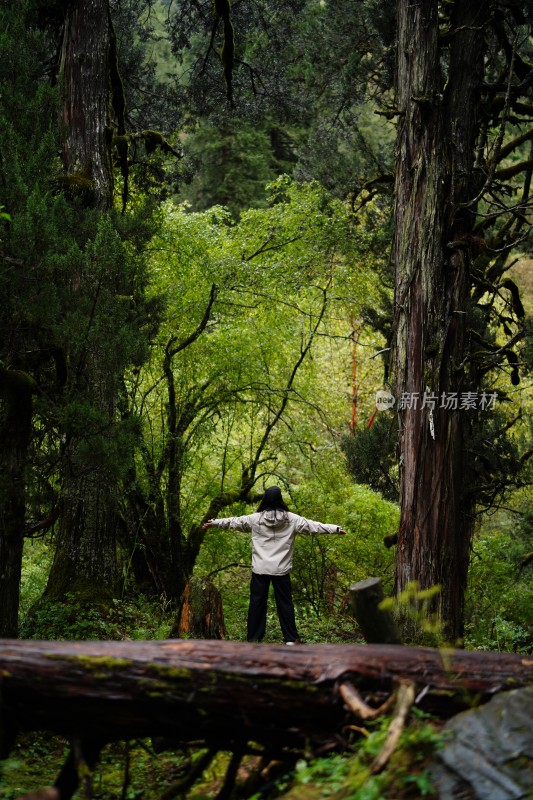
[257, 610]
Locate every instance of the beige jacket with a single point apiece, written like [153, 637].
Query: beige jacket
[273, 534]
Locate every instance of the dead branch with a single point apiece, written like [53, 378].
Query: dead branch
[357, 705]
[509, 172]
[405, 700]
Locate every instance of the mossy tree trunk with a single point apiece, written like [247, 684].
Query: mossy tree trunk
[85, 83]
[438, 123]
[85, 558]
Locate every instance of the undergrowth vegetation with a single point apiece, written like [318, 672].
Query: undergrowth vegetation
[137, 769]
[498, 600]
[498, 618]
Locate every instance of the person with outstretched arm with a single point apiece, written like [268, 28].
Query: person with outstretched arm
[273, 528]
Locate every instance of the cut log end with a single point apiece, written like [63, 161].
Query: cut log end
[377, 625]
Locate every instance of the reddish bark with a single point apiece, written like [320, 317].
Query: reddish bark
[201, 615]
[435, 145]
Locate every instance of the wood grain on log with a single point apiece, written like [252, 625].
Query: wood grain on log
[227, 693]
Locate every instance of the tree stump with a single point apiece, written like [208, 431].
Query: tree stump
[377, 626]
[201, 615]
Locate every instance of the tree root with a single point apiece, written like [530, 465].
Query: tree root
[231, 776]
[357, 705]
[179, 787]
[75, 773]
[405, 697]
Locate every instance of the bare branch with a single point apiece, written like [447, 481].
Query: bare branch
[172, 351]
[510, 172]
[406, 698]
[357, 705]
[498, 149]
[518, 141]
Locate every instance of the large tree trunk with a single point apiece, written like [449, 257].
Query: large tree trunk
[228, 693]
[85, 556]
[435, 146]
[16, 389]
[85, 82]
[85, 559]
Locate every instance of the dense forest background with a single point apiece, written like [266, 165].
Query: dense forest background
[223, 229]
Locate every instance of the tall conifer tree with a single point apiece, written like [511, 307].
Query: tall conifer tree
[453, 85]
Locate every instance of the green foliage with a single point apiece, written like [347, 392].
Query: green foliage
[415, 609]
[28, 152]
[131, 768]
[126, 769]
[36, 564]
[230, 165]
[308, 70]
[348, 777]
[243, 386]
[495, 456]
[371, 455]
[34, 762]
[26, 105]
[131, 617]
[325, 566]
[500, 594]
[137, 618]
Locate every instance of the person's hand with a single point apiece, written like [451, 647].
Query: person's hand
[208, 524]
[342, 532]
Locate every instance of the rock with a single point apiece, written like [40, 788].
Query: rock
[488, 754]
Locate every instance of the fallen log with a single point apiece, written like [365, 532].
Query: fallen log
[229, 693]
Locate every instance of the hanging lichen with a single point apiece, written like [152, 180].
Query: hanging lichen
[228, 48]
[227, 54]
[119, 108]
[153, 139]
